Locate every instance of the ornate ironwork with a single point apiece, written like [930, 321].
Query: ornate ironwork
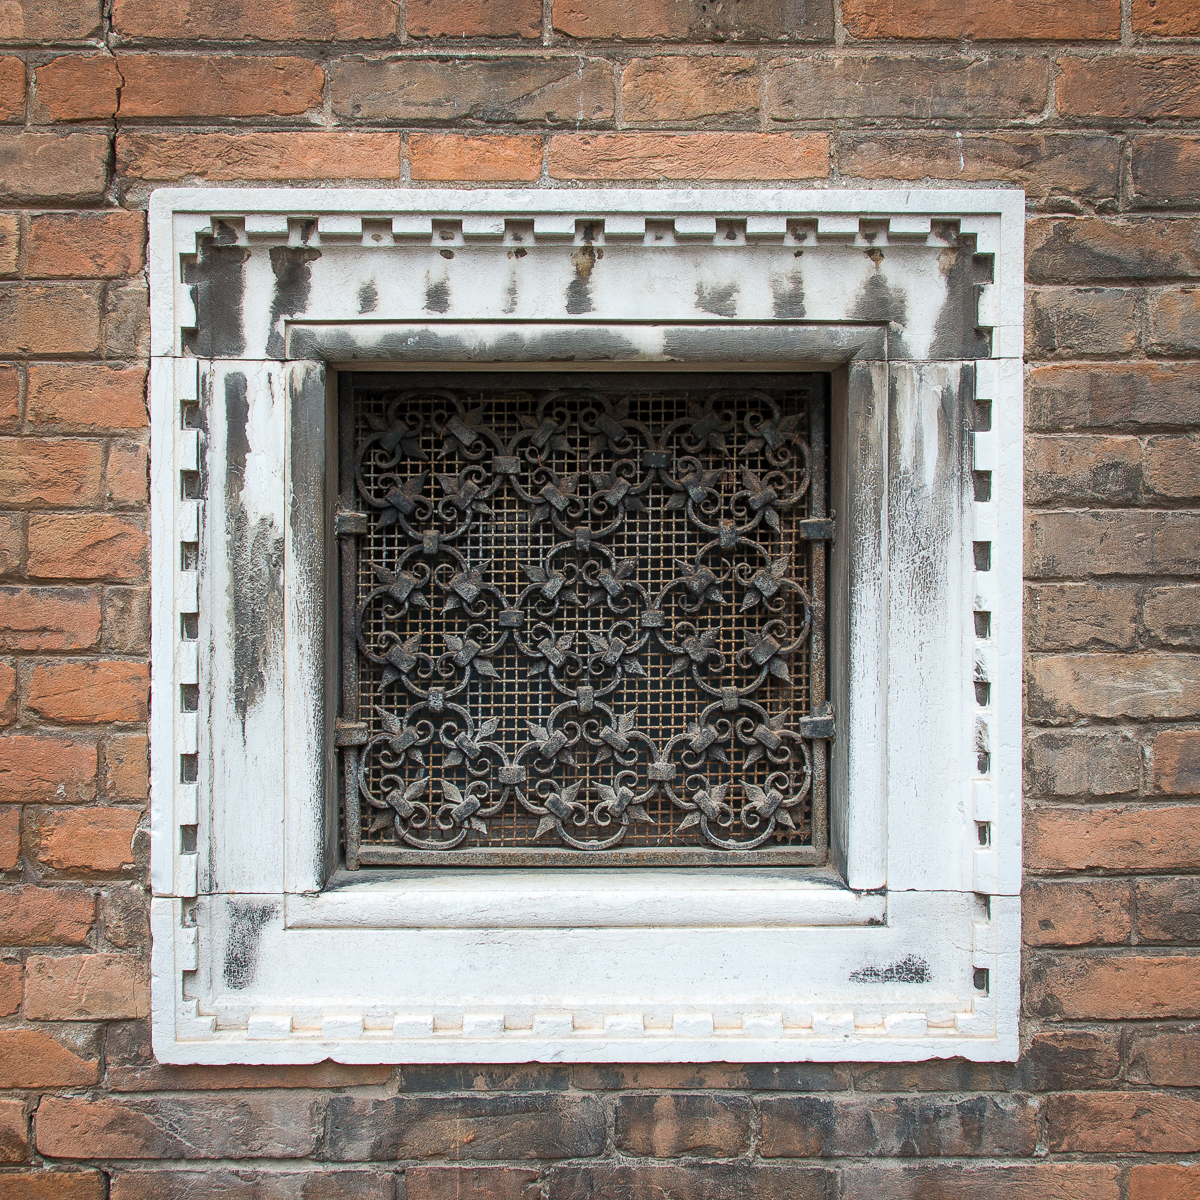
[583, 622]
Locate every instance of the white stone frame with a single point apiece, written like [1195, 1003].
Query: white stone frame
[265, 953]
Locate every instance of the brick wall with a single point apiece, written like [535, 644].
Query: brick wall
[1092, 105]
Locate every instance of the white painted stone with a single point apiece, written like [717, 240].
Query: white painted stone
[623, 1025]
[341, 1025]
[915, 1025]
[268, 1026]
[553, 1025]
[481, 1025]
[767, 1025]
[409, 1025]
[833, 1024]
[692, 1024]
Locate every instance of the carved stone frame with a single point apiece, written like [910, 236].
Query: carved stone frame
[906, 947]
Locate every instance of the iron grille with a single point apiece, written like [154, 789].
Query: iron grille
[583, 619]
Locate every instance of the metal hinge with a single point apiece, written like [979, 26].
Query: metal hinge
[817, 529]
[821, 724]
[347, 523]
[350, 733]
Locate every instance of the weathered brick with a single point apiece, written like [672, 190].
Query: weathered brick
[1163, 1181]
[689, 1181]
[758, 1077]
[30, 1058]
[49, 1184]
[126, 320]
[1095, 912]
[49, 20]
[10, 246]
[679, 87]
[1125, 394]
[748, 156]
[456, 1077]
[1071, 20]
[86, 546]
[1131, 838]
[489, 1126]
[204, 85]
[1095, 322]
[1094, 250]
[86, 396]
[1166, 18]
[156, 1077]
[14, 1132]
[49, 618]
[668, 1126]
[1177, 762]
[43, 916]
[253, 1184]
[1039, 1181]
[127, 475]
[1175, 321]
[1112, 543]
[553, 91]
[1165, 1055]
[1043, 164]
[86, 245]
[47, 167]
[127, 620]
[49, 318]
[1147, 687]
[50, 473]
[1168, 910]
[86, 987]
[475, 18]
[12, 89]
[193, 1127]
[12, 542]
[820, 1126]
[268, 20]
[1171, 465]
[1169, 613]
[10, 988]
[1129, 87]
[1083, 763]
[1081, 616]
[8, 694]
[126, 921]
[88, 839]
[1056, 1059]
[1082, 469]
[940, 1075]
[1165, 169]
[888, 86]
[10, 851]
[264, 156]
[126, 767]
[83, 693]
[46, 768]
[77, 87]
[484, 1183]
[676, 20]
[1130, 987]
[490, 157]
[1123, 1122]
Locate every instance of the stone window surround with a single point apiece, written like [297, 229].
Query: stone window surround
[922, 894]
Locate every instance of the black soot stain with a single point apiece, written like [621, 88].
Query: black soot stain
[579, 290]
[246, 923]
[292, 268]
[218, 287]
[719, 300]
[256, 560]
[957, 333]
[368, 297]
[789, 296]
[437, 296]
[908, 970]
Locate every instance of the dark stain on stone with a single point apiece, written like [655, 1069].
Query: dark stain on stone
[511, 293]
[720, 300]
[368, 297]
[256, 563]
[789, 296]
[291, 266]
[446, 253]
[246, 923]
[957, 333]
[218, 285]
[579, 290]
[437, 296]
[908, 970]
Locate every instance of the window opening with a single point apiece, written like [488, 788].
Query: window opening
[583, 619]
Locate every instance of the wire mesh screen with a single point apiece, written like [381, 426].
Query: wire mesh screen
[583, 618]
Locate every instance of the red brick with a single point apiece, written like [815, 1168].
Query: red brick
[86, 396]
[86, 245]
[126, 767]
[1080, 469]
[1081, 616]
[1165, 1055]
[1172, 466]
[1146, 687]
[77, 87]
[127, 620]
[1165, 169]
[10, 246]
[46, 768]
[475, 18]
[30, 1058]
[1168, 910]
[82, 693]
[1040, 1181]
[1124, 1122]
[155, 1077]
[679, 20]
[49, 618]
[1175, 321]
[456, 156]
[693, 1180]
[256, 1184]
[734, 156]
[10, 396]
[12, 545]
[191, 1127]
[1115, 542]
[1081, 322]
[1126, 87]
[37, 167]
[49, 318]
[86, 546]
[1177, 762]
[1166, 18]
[8, 694]
[1164, 1181]
[1169, 613]
[48, 1184]
[1005, 20]
[10, 841]
[264, 20]
[49, 20]
[126, 475]
[1124, 394]
[86, 987]
[10, 988]
[1097, 250]
[50, 473]
[14, 1132]
[1056, 1059]
[157, 85]
[264, 156]
[673, 1125]
[12, 89]
[37, 916]
[681, 88]
[88, 839]
[1115, 987]
[1095, 912]
[480, 1183]
[1127, 838]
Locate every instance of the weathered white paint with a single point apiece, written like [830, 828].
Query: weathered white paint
[261, 956]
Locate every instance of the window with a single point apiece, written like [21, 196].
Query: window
[560, 358]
